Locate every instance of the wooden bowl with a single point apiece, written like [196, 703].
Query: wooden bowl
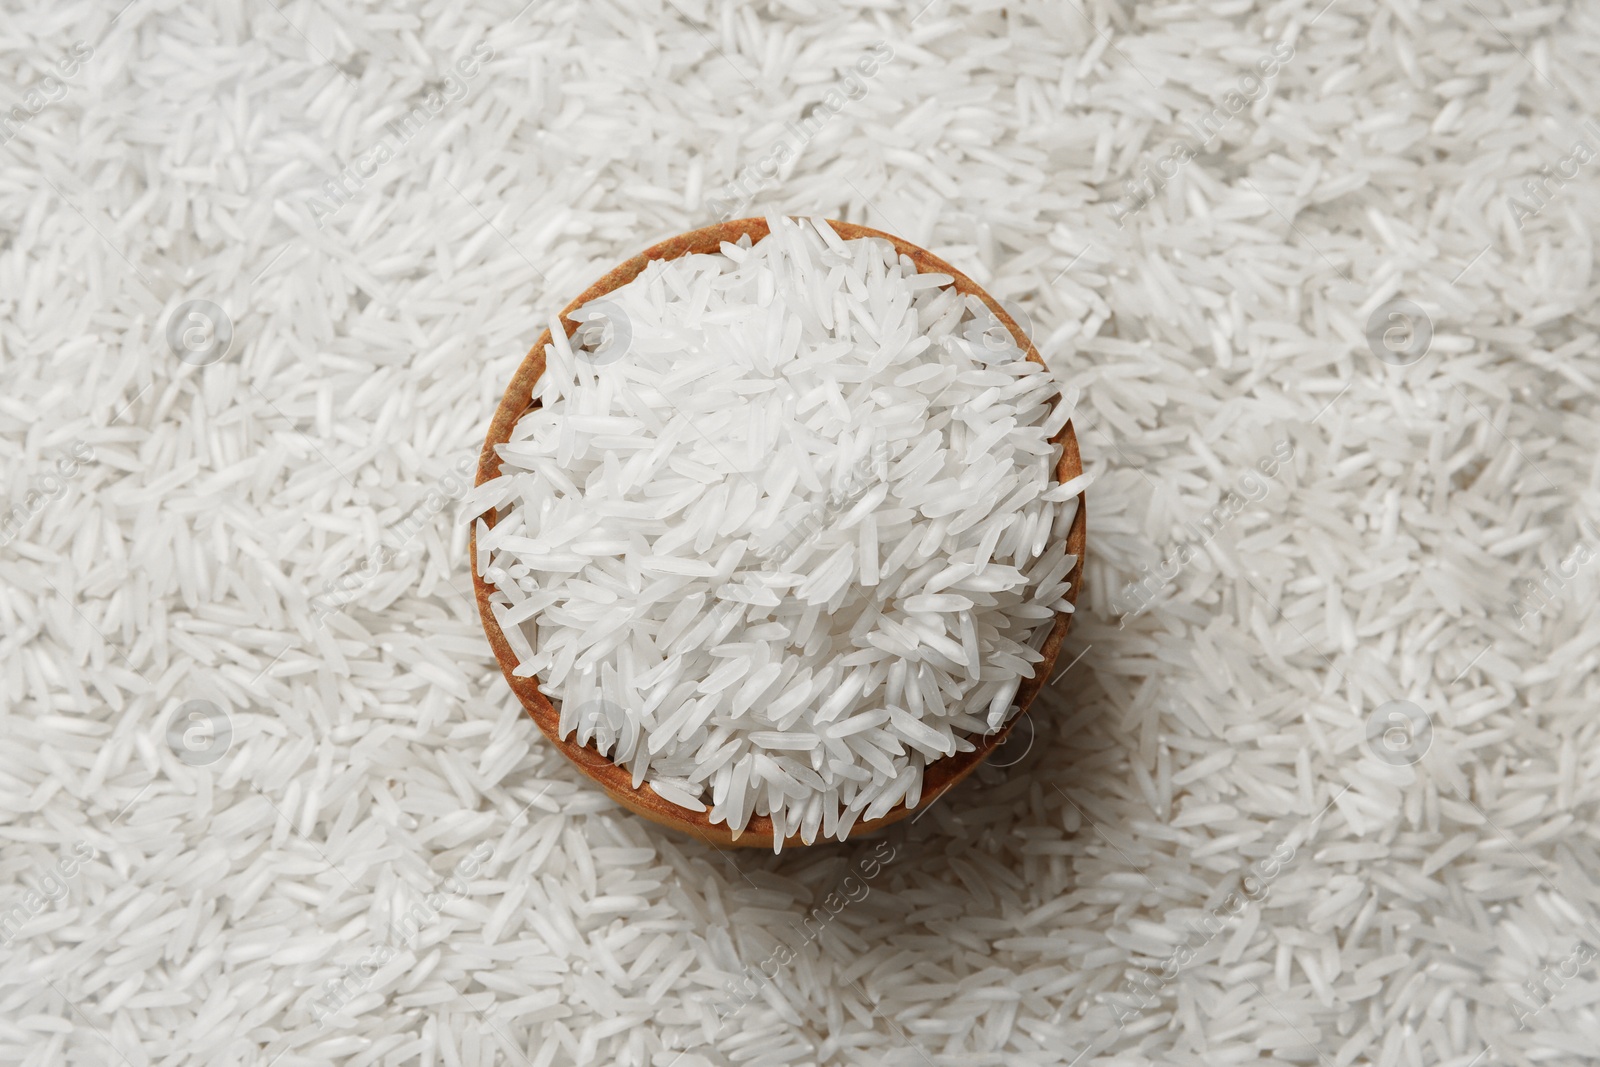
[940, 775]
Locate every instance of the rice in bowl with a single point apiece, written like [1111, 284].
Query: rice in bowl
[782, 528]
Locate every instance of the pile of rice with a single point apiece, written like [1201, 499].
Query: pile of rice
[785, 531]
[1200, 858]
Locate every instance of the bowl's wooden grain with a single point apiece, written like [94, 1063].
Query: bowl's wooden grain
[940, 775]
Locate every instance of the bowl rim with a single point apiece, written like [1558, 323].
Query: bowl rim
[939, 776]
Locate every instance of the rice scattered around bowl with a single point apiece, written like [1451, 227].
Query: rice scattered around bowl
[783, 528]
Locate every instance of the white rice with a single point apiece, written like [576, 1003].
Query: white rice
[784, 531]
[1433, 914]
